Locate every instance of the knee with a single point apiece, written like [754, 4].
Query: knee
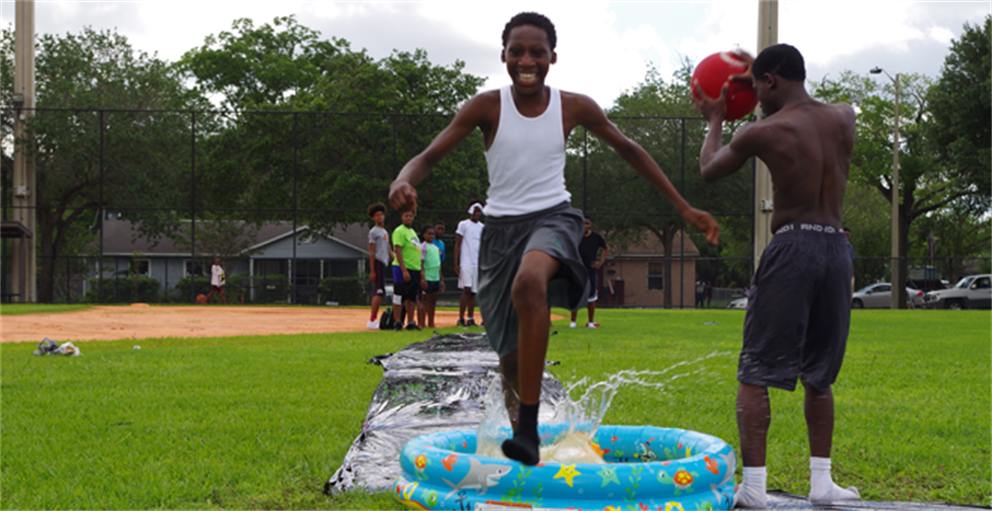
[528, 288]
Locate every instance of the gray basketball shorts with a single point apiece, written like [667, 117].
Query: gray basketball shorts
[799, 310]
[555, 231]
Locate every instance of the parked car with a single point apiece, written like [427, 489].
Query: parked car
[926, 285]
[879, 296]
[972, 292]
[740, 303]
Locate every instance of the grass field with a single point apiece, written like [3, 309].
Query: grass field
[263, 422]
[15, 309]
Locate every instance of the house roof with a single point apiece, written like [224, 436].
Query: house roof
[121, 237]
[648, 245]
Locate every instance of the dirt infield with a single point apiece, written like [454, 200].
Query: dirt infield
[106, 323]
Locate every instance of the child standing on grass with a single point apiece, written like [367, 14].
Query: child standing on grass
[529, 256]
[431, 279]
[406, 273]
[468, 236]
[380, 253]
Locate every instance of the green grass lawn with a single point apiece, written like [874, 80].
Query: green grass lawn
[16, 309]
[263, 422]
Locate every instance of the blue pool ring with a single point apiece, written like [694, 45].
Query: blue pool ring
[648, 468]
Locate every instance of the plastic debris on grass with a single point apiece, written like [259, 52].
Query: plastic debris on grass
[50, 347]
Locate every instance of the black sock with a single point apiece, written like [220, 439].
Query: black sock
[525, 444]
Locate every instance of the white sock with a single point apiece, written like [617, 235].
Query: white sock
[751, 493]
[822, 487]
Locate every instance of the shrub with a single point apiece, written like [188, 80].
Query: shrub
[269, 288]
[344, 290]
[122, 290]
[201, 286]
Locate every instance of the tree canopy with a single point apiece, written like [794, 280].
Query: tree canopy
[961, 109]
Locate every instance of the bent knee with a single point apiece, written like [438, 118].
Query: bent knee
[529, 286]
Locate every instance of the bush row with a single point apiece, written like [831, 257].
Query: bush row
[268, 289]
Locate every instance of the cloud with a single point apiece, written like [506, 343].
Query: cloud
[604, 47]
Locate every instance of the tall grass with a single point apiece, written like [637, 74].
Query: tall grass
[262, 422]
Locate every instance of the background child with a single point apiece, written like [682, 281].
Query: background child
[431, 278]
[406, 272]
[380, 253]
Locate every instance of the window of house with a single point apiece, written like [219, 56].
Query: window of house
[656, 276]
[141, 267]
[198, 268]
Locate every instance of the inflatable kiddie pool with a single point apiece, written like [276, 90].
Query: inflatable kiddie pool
[646, 467]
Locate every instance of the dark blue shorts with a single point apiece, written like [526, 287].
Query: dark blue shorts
[799, 309]
[432, 287]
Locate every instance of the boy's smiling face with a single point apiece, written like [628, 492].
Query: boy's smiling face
[528, 56]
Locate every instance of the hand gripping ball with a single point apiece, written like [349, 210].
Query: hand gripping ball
[713, 72]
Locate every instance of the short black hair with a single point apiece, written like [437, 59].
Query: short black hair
[531, 18]
[587, 217]
[439, 222]
[476, 201]
[780, 59]
[377, 207]
[423, 229]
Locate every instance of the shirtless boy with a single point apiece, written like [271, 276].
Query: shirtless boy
[530, 243]
[799, 310]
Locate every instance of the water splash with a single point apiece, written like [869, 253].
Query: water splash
[569, 426]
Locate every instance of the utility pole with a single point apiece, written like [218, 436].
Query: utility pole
[25, 193]
[763, 190]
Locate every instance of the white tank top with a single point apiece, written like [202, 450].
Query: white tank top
[526, 160]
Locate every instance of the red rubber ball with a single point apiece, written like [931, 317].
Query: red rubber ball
[710, 76]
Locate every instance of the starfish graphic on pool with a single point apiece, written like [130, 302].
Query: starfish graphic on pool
[567, 472]
[609, 475]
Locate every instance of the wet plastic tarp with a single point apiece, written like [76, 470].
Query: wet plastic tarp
[427, 387]
[782, 501]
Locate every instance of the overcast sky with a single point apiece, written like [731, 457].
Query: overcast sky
[604, 48]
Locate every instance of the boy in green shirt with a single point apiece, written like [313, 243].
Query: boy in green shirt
[406, 272]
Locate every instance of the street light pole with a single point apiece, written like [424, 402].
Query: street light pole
[898, 279]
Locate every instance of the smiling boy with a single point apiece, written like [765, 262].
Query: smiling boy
[529, 258]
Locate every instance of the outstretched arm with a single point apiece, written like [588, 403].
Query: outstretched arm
[589, 115]
[402, 195]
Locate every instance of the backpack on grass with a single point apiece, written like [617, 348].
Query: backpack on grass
[386, 319]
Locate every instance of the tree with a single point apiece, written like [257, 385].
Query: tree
[95, 142]
[324, 128]
[6, 114]
[958, 236]
[927, 185]
[659, 115]
[961, 108]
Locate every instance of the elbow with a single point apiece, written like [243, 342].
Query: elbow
[708, 175]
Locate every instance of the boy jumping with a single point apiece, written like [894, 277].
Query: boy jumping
[529, 257]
